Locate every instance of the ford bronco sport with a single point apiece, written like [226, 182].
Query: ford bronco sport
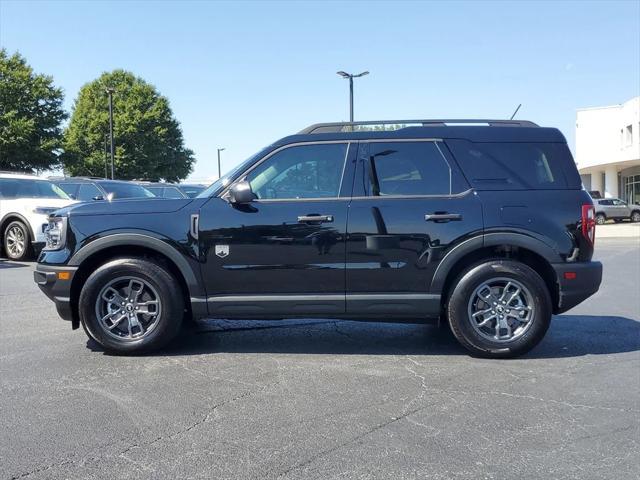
[483, 224]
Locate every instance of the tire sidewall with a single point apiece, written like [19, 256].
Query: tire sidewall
[601, 219]
[170, 297]
[465, 288]
[27, 240]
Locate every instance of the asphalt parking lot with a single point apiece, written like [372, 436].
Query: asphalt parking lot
[321, 399]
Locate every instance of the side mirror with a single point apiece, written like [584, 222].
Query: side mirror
[241, 193]
[98, 197]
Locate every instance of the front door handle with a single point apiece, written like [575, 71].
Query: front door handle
[315, 218]
[442, 217]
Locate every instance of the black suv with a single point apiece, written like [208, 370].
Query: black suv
[482, 224]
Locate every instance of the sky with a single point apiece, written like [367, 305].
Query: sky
[240, 75]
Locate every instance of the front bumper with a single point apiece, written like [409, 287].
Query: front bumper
[576, 282]
[55, 282]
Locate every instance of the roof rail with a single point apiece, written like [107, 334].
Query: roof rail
[349, 126]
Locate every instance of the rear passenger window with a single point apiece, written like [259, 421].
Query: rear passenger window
[407, 168]
[516, 166]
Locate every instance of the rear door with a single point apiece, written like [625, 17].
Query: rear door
[410, 205]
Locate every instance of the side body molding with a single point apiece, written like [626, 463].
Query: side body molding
[490, 240]
[147, 241]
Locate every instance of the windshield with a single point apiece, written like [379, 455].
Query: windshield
[222, 182]
[27, 188]
[126, 190]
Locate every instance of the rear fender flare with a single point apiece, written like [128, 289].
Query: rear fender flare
[490, 240]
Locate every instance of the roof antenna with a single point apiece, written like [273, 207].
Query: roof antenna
[514, 113]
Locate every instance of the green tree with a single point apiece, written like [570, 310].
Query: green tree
[147, 138]
[31, 114]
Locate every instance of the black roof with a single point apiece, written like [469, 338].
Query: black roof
[473, 130]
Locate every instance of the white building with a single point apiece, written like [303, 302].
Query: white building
[608, 149]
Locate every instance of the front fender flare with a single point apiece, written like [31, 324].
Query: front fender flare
[142, 240]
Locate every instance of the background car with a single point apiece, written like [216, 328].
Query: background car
[25, 204]
[163, 190]
[191, 190]
[86, 189]
[616, 210]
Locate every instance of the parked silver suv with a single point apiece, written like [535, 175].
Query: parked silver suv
[616, 210]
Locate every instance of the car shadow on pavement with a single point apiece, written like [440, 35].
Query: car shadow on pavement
[568, 336]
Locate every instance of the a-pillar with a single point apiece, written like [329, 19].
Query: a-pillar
[611, 181]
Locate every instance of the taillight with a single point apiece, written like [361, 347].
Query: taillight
[589, 223]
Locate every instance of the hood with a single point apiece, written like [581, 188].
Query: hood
[127, 206]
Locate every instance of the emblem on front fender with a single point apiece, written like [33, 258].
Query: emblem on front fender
[222, 250]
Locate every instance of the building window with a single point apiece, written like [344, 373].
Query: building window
[628, 135]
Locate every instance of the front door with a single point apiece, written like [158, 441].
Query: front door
[282, 255]
[410, 204]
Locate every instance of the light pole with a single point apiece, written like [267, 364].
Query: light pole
[110, 91]
[219, 167]
[351, 77]
[106, 161]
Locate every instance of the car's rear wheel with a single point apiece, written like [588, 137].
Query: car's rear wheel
[635, 217]
[499, 309]
[600, 219]
[17, 242]
[131, 305]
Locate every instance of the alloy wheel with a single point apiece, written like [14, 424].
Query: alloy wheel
[128, 308]
[501, 310]
[16, 242]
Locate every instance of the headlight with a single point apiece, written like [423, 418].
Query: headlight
[56, 233]
[44, 210]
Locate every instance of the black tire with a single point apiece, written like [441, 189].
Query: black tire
[635, 216]
[458, 308]
[601, 219]
[11, 248]
[166, 322]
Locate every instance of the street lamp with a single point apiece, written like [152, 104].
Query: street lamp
[110, 91]
[219, 168]
[351, 77]
[106, 161]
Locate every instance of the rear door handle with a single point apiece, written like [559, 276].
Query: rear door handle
[442, 217]
[315, 218]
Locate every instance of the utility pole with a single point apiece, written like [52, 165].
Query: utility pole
[110, 91]
[219, 165]
[351, 77]
[106, 161]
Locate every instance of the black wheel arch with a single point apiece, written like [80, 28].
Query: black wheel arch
[498, 245]
[134, 245]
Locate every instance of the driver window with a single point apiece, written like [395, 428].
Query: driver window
[303, 171]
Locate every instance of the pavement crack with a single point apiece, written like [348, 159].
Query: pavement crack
[353, 440]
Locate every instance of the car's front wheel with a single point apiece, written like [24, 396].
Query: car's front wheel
[130, 305]
[499, 309]
[17, 243]
[635, 216]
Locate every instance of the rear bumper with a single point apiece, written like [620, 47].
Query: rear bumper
[576, 283]
[56, 288]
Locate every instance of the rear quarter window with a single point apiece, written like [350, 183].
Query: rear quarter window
[516, 166]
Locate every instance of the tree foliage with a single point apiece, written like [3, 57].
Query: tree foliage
[31, 114]
[147, 138]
